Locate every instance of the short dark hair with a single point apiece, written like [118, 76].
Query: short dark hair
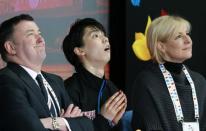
[7, 29]
[75, 38]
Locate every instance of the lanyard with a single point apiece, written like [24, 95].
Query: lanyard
[100, 95]
[53, 95]
[174, 95]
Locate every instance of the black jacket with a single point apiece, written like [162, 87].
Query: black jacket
[153, 108]
[83, 88]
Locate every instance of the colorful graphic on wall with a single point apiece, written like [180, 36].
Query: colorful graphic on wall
[140, 45]
[29, 5]
[135, 2]
[54, 18]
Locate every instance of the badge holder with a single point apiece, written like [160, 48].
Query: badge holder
[190, 126]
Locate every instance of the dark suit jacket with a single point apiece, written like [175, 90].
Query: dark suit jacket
[22, 104]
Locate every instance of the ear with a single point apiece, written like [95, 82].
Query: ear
[10, 47]
[79, 51]
[161, 46]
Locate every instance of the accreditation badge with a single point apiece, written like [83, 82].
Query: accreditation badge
[190, 126]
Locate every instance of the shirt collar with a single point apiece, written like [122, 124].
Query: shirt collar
[32, 73]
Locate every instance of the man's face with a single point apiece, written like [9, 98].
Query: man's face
[28, 43]
[96, 46]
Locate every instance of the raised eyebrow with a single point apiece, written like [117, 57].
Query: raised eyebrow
[179, 33]
[94, 31]
[32, 30]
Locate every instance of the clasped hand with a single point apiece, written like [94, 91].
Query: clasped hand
[72, 111]
[114, 108]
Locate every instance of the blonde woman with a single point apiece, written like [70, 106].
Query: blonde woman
[171, 97]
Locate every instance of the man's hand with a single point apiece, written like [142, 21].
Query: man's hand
[121, 112]
[113, 108]
[72, 111]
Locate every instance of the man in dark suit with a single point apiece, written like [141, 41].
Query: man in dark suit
[28, 102]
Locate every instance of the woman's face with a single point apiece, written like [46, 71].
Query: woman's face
[179, 47]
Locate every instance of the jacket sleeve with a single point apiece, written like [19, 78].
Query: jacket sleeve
[200, 85]
[145, 116]
[72, 88]
[16, 112]
[77, 123]
[80, 124]
[101, 123]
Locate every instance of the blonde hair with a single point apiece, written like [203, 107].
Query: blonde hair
[162, 29]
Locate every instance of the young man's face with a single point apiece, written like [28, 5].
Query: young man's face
[28, 42]
[96, 46]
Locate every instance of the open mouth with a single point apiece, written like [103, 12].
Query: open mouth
[107, 49]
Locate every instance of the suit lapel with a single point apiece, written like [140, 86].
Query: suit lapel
[27, 79]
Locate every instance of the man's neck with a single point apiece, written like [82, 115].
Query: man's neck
[34, 67]
[97, 71]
